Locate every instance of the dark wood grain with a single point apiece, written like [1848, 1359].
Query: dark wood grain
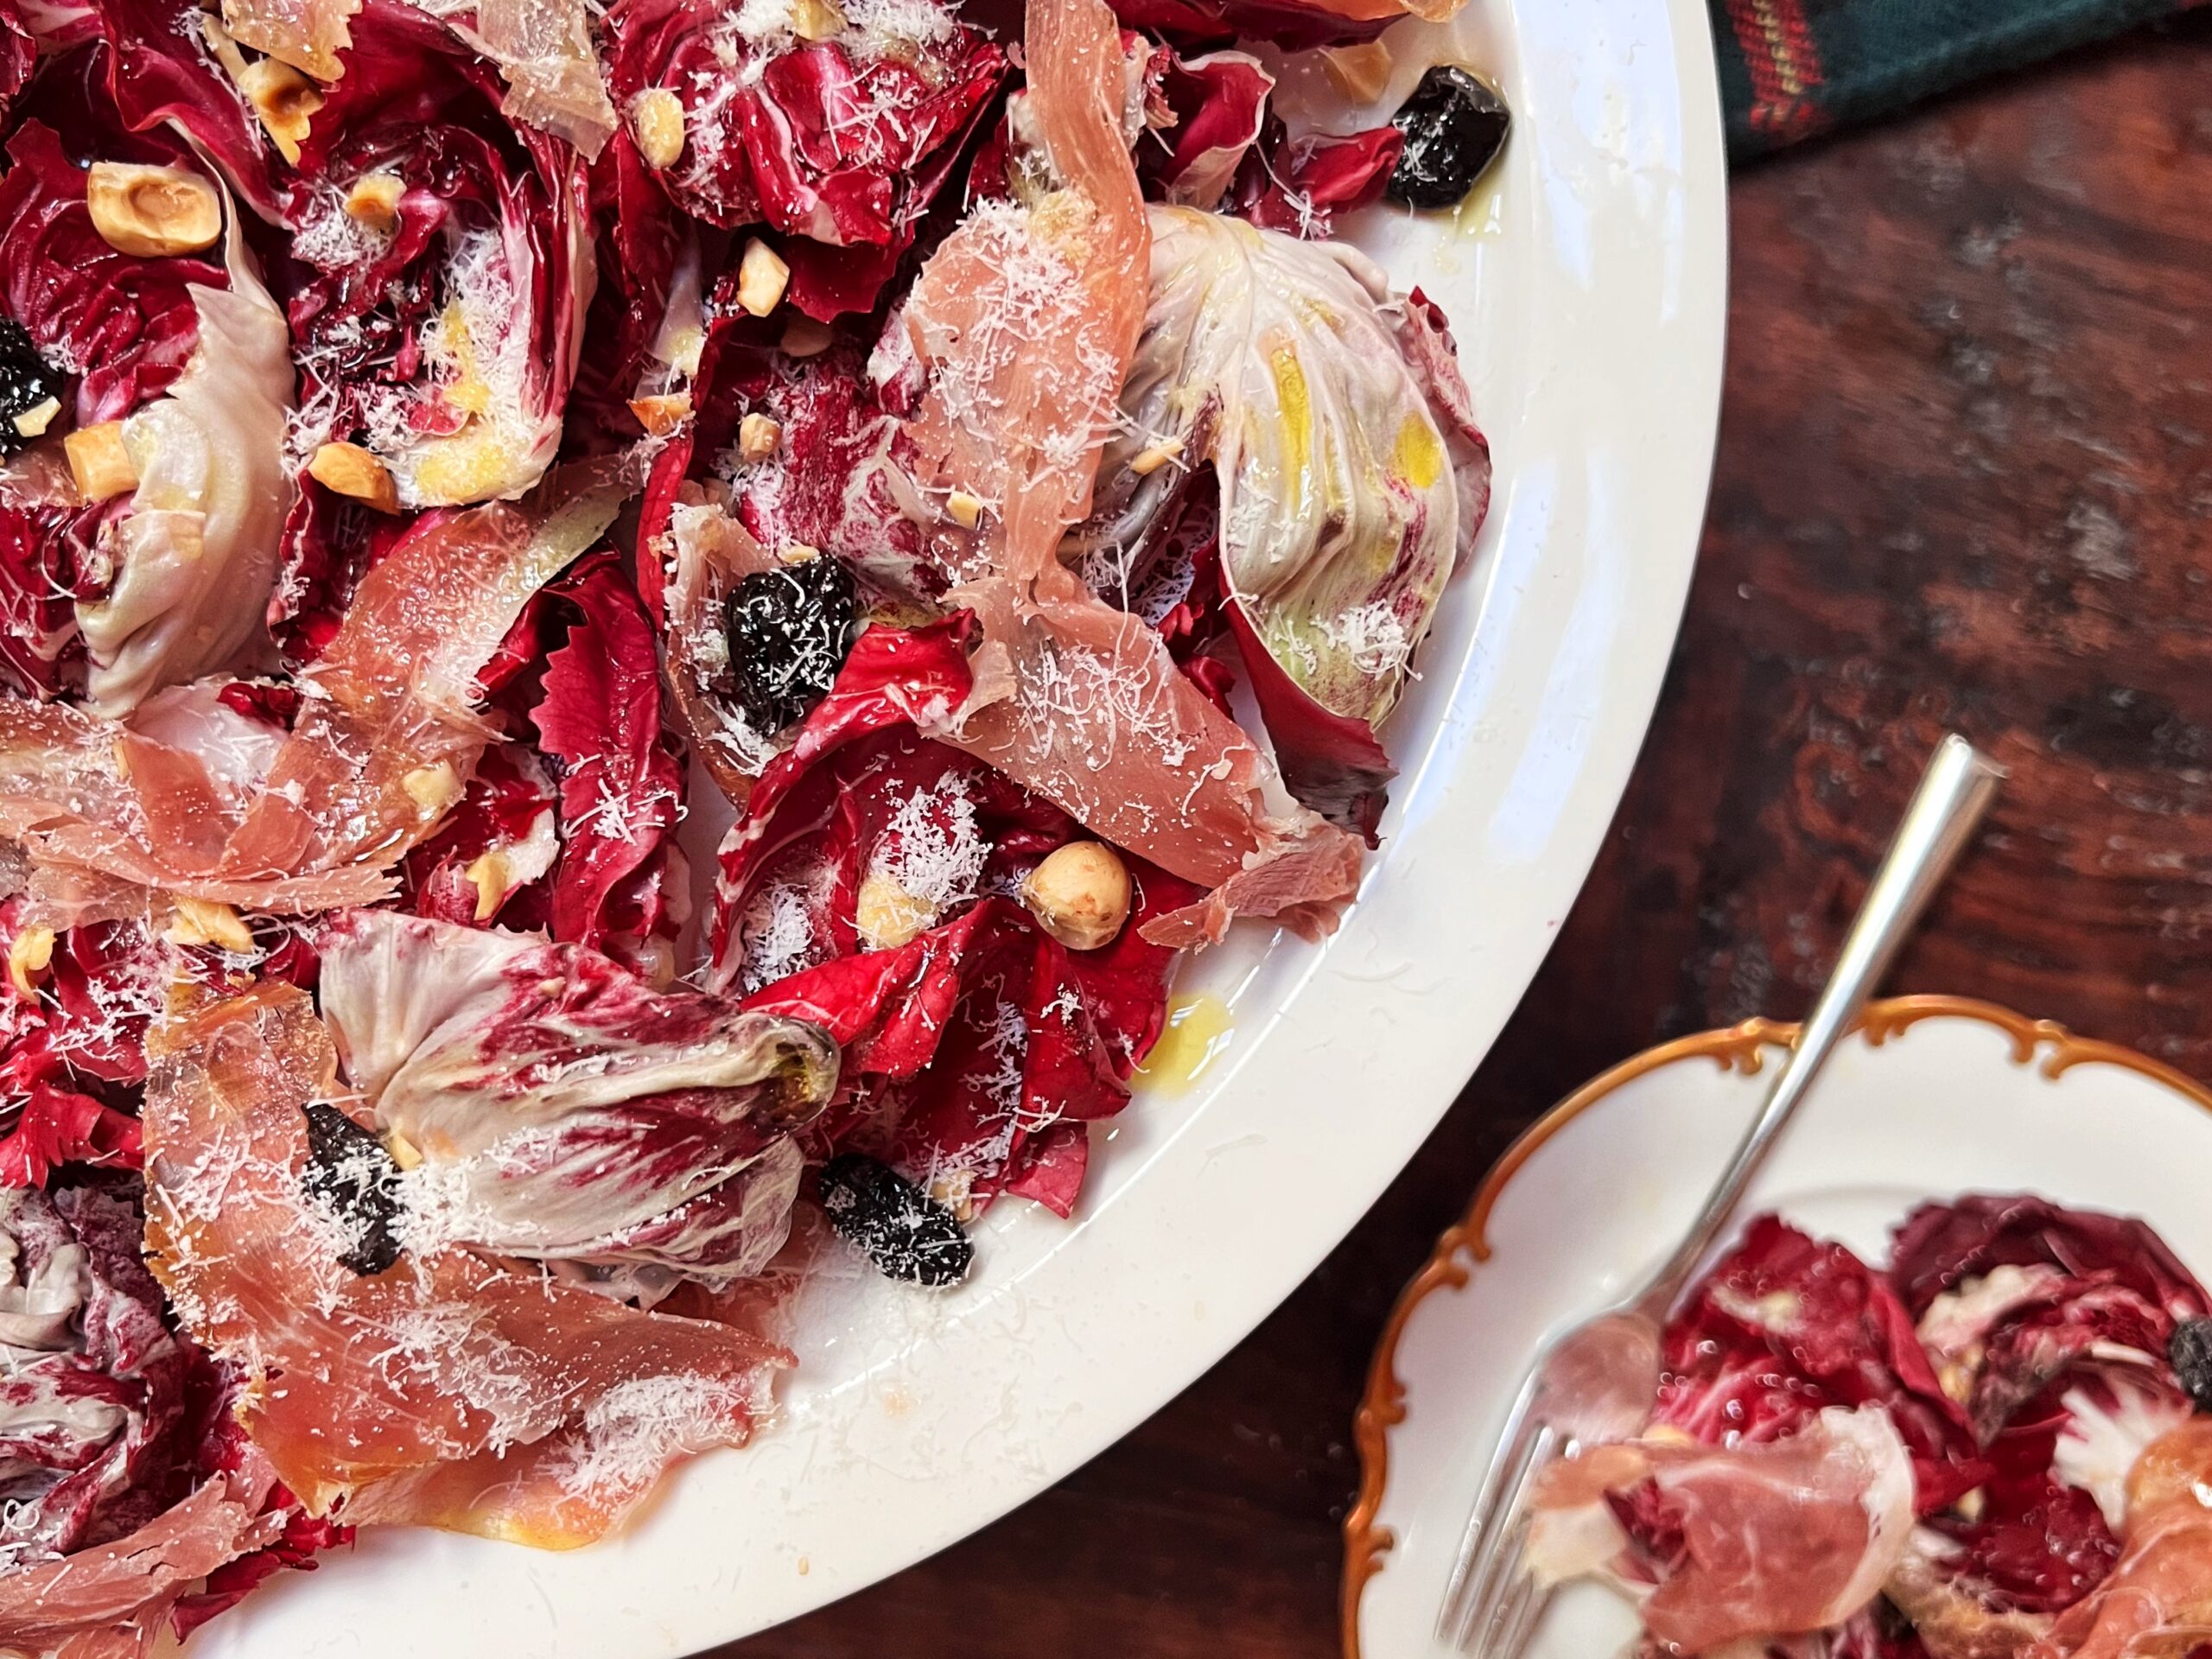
[1965, 480]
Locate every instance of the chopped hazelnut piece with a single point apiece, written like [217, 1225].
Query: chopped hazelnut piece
[152, 212]
[374, 200]
[99, 461]
[350, 470]
[762, 276]
[433, 789]
[800, 553]
[964, 508]
[1152, 457]
[489, 873]
[816, 20]
[199, 922]
[286, 101]
[29, 954]
[887, 916]
[657, 116]
[758, 435]
[33, 421]
[662, 414]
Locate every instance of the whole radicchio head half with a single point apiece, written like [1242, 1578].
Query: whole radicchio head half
[445, 270]
[839, 139]
[564, 1110]
[159, 572]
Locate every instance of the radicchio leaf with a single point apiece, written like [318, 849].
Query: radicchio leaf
[1343, 504]
[621, 785]
[564, 1110]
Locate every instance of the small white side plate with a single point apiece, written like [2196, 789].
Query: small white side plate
[1935, 1097]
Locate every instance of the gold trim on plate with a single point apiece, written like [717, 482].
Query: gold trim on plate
[1741, 1048]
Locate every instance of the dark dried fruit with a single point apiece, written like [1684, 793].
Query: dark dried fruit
[906, 1233]
[789, 631]
[26, 381]
[1455, 125]
[2190, 1350]
[349, 1169]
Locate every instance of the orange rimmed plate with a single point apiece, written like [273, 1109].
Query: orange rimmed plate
[1933, 1095]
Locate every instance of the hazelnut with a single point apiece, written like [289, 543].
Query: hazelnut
[799, 553]
[33, 421]
[350, 470]
[286, 101]
[404, 1152]
[199, 922]
[29, 954]
[758, 435]
[656, 116]
[1079, 894]
[1154, 456]
[816, 20]
[432, 788]
[152, 212]
[683, 349]
[374, 200]
[965, 509]
[662, 413]
[98, 460]
[887, 916]
[488, 871]
[762, 276]
[1361, 72]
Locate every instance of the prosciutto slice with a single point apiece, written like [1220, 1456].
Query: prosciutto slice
[1777, 1538]
[381, 748]
[2159, 1599]
[1026, 319]
[553, 1409]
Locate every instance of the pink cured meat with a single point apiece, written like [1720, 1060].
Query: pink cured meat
[553, 1409]
[1026, 319]
[367, 770]
[1774, 1538]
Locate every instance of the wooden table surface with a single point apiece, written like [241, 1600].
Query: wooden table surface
[1965, 481]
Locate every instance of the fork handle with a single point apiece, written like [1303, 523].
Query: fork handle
[1954, 793]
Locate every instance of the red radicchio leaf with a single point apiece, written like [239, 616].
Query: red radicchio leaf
[977, 1049]
[1309, 180]
[1219, 102]
[637, 241]
[1333, 763]
[1940, 1246]
[1785, 1326]
[304, 1538]
[1295, 24]
[818, 140]
[621, 787]
[58, 1126]
[500, 812]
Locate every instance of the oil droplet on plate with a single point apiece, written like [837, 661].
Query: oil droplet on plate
[1198, 1033]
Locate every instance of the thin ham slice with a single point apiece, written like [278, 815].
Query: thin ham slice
[1774, 1539]
[448, 1390]
[1026, 319]
[381, 748]
[2159, 1598]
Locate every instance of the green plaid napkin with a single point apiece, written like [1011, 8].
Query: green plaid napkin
[1790, 68]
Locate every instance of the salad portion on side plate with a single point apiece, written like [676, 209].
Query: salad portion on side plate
[944, 457]
[1948, 1396]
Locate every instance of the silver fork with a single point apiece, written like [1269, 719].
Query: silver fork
[1596, 1382]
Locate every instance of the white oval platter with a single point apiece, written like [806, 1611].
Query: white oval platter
[1588, 292]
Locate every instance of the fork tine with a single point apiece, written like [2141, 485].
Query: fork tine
[1506, 1458]
[1497, 1553]
[1520, 1623]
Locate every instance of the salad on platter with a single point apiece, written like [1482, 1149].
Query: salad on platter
[1999, 1447]
[450, 454]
